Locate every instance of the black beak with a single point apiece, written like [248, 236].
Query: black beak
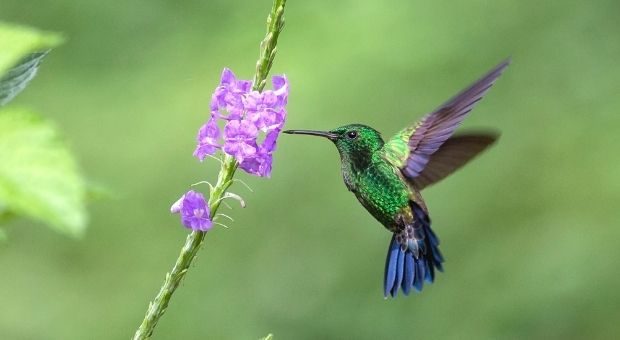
[328, 135]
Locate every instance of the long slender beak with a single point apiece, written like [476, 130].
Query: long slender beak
[329, 135]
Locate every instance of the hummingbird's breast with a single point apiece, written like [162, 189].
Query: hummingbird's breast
[382, 192]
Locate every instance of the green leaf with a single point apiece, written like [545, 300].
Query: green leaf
[16, 42]
[268, 337]
[21, 52]
[38, 175]
[18, 77]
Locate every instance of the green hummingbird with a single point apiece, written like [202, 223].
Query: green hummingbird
[387, 177]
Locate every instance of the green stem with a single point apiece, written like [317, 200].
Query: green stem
[157, 308]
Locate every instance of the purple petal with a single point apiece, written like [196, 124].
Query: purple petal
[276, 119]
[231, 129]
[176, 206]
[267, 119]
[209, 130]
[253, 101]
[208, 137]
[240, 137]
[280, 88]
[214, 105]
[236, 130]
[255, 117]
[269, 144]
[280, 83]
[259, 165]
[202, 151]
[270, 99]
[244, 86]
[230, 82]
[228, 78]
[239, 150]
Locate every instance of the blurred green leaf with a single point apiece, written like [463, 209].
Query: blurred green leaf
[5, 214]
[96, 191]
[268, 337]
[38, 175]
[18, 77]
[16, 42]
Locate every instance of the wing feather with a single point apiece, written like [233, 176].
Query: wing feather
[411, 149]
[451, 156]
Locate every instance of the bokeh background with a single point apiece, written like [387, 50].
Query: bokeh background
[530, 230]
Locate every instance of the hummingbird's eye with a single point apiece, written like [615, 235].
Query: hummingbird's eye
[352, 134]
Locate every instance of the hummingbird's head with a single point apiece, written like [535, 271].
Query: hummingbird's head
[355, 142]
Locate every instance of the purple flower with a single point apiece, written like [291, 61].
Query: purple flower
[240, 139]
[194, 210]
[267, 109]
[228, 96]
[260, 163]
[208, 136]
[229, 80]
[266, 118]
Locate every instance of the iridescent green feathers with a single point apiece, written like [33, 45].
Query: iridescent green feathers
[425, 153]
[396, 150]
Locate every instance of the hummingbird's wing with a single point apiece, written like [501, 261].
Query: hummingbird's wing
[411, 149]
[455, 152]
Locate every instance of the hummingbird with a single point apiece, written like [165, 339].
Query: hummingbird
[387, 178]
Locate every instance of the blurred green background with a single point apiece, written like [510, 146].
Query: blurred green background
[529, 230]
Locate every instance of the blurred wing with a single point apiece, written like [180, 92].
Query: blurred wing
[452, 155]
[411, 149]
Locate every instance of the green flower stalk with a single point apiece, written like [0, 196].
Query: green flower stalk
[267, 114]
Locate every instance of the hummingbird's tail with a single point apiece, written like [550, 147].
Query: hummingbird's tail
[408, 263]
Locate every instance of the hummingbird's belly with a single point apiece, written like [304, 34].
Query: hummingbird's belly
[384, 196]
[385, 212]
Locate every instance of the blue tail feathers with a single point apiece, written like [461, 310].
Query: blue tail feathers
[403, 269]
